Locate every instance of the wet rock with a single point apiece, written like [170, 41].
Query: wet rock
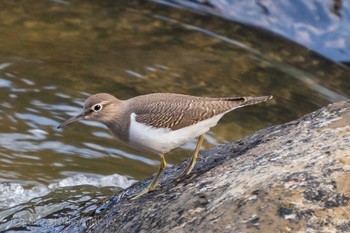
[293, 177]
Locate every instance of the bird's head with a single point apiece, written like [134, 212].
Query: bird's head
[99, 107]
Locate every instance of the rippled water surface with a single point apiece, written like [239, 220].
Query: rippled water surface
[321, 25]
[54, 54]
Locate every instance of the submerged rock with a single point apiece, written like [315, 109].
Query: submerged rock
[293, 177]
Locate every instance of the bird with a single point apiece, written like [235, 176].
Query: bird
[160, 122]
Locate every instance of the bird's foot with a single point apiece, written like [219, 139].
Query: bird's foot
[182, 175]
[146, 190]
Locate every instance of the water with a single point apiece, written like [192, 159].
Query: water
[54, 54]
[321, 25]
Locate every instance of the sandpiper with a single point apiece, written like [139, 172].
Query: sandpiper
[160, 122]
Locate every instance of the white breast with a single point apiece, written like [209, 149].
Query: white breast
[160, 140]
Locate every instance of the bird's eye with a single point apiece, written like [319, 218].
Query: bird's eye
[97, 107]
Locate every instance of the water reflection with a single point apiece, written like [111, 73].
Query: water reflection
[52, 56]
[319, 25]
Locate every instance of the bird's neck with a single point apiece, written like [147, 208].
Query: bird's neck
[118, 120]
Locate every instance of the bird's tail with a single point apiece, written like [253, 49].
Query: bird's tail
[238, 102]
[256, 100]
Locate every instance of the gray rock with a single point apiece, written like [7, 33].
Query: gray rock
[293, 177]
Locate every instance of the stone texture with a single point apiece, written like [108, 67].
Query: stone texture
[293, 177]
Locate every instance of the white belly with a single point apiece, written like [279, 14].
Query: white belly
[160, 141]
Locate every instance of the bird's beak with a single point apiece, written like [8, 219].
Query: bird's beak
[79, 117]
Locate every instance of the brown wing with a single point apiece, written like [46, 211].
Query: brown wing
[176, 111]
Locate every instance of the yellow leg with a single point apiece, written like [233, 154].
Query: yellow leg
[155, 179]
[194, 157]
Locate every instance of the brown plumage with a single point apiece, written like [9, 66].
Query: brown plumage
[160, 122]
[175, 111]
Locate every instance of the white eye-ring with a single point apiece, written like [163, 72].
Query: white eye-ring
[97, 107]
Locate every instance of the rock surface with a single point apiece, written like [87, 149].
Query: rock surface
[293, 177]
